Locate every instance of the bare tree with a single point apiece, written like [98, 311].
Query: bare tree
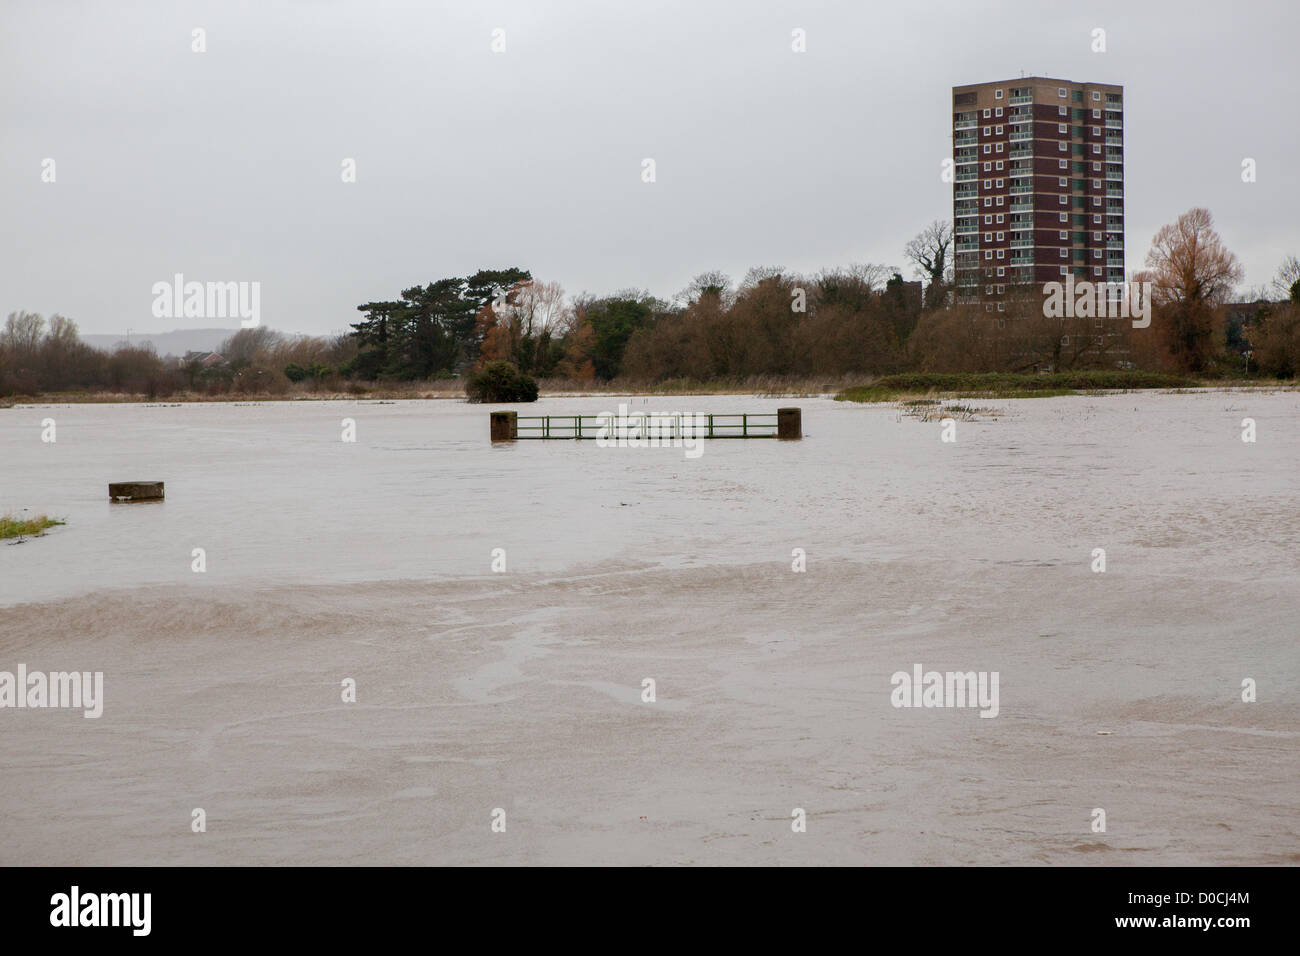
[1192, 274]
[712, 283]
[1286, 284]
[928, 252]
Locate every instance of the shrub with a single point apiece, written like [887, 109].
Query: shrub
[500, 382]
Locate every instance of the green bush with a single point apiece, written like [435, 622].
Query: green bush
[500, 382]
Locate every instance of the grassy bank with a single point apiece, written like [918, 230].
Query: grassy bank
[892, 388]
[454, 389]
[847, 388]
[12, 526]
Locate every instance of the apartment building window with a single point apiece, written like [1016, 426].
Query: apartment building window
[988, 184]
[1064, 234]
[1061, 92]
[1000, 218]
[999, 130]
[1062, 111]
[1096, 184]
[1096, 253]
[1001, 236]
[1002, 306]
[1064, 199]
[1064, 218]
[1096, 221]
[988, 253]
[1061, 146]
[999, 111]
[1096, 270]
[999, 200]
[988, 220]
[997, 94]
[1096, 200]
[1096, 236]
[989, 307]
[1096, 131]
[1000, 182]
[988, 237]
[1063, 252]
[999, 164]
[987, 130]
[988, 200]
[1096, 96]
[1062, 181]
[986, 114]
[1096, 114]
[999, 148]
[1062, 164]
[1096, 167]
[1060, 127]
[988, 290]
[1002, 253]
[988, 167]
[1076, 96]
[1063, 270]
[1096, 149]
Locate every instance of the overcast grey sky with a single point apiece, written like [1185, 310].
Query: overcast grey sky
[226, 165]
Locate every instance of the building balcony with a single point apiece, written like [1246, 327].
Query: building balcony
[1114, 124]
[1114, 178]
[1024, 205]
[966, 124]
[1117, 244]
[1023, 152]
[1022, 244]
[965, 139]
[1114, 192]
[1016, 100]
[1114, 156]
[966, 192]
[1114, 140]
[1022, 260]
[1022, 189]
[966, 176]
[1020, 136]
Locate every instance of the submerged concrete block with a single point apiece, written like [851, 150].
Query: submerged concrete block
[505, 426]
[789, 424]
[135, 491]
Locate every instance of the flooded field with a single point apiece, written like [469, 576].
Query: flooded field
[523, 690]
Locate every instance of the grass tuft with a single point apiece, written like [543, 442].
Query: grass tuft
[11, 526]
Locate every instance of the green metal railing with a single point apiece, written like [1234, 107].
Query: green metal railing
[647, 426]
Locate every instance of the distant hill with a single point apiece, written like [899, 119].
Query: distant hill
[176, 342]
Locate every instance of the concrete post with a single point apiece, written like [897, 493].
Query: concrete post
[135, 491]
[789, 424]
[505, 426]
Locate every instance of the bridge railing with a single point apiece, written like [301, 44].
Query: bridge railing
[664, 427]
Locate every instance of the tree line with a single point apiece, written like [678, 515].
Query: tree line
[856, 321]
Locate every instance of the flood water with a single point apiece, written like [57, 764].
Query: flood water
[522, 690]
